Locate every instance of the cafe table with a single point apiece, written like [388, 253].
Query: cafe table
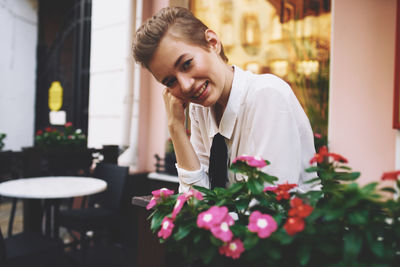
[52, 189]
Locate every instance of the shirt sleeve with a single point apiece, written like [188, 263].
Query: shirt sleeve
[274, 132]
[198, 177]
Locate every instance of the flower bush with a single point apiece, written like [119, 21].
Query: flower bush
[66, 136]
[260, 223]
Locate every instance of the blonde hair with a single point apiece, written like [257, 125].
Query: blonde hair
[180, 21]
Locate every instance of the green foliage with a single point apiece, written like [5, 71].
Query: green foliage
[350, 225]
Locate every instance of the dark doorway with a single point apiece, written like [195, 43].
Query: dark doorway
[64, 55]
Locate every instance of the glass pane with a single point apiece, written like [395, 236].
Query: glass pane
[288, 38]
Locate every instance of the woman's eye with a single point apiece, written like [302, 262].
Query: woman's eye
[170, 83]
[186, 64]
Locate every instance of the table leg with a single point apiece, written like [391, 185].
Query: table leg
[32, 215]
[51, 217]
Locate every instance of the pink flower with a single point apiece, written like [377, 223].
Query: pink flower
[232, 249]
[152, 203]
[167, 226]
[262, 224]
[163, 192]
[157, 194]
[217, 220]
[257, 162]
[178, 206]
[222, 231]
[68, 124]
[211, 217]
[317, 135]
[270, 188]
[194, 193]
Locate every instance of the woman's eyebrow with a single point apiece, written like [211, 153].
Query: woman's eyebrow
[178, 61]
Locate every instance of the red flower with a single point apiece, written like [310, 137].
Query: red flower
[68, 124]
[337, 157]
[48, 129]
[323, 153]
[39, 132]
[282, 190]
[294, 225]
[232, 249]
[320, 156]
[394, 175]
[299, 209]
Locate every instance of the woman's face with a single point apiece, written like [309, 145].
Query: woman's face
[191, 73]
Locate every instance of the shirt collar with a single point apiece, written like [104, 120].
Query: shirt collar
[229, 117]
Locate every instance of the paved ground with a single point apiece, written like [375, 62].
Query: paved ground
[5, 207]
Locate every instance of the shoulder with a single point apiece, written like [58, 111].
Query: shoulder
[267, 87]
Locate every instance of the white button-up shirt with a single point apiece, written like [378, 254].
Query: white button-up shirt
[262, 118]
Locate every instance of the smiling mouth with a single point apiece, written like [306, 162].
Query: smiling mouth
[201, 90]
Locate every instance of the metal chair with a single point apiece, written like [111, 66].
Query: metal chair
[103, 209]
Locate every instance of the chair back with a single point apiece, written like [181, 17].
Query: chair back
[116, 177]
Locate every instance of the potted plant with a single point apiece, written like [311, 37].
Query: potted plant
[63, 150]
[260, 223]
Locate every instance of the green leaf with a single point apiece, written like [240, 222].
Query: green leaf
[242, 204]
[376, 246]
[197, 237]
[209, 254]
[266, 178]
[358, 217]
[303, 254]
[250, 241]
[215, 241]
[236, 187]
[204, 190]
[255, 186]
[312, 180]
[157, 220]
[351, 246]
[183, 231]
[314, 169]
[369, 188]
[348, 176]
[344, 168]
[388, 189]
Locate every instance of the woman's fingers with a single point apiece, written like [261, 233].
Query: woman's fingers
[174, 107]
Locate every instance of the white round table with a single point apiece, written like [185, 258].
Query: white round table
[52, 189]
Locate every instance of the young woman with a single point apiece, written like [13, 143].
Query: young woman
[257, 115]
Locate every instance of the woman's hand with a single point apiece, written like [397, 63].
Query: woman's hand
[175, 108]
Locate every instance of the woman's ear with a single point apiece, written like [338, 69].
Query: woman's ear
[213, 40]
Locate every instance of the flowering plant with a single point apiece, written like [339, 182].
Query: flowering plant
[343, 224]
[66, 136]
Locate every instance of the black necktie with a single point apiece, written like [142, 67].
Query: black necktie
[218, 166]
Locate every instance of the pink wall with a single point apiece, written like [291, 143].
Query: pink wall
[152, 118]
[362, 76]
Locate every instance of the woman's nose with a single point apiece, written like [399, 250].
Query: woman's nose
[185, 82]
